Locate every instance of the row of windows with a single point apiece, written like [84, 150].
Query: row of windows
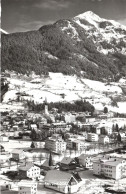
[108, 167]
[108, 171]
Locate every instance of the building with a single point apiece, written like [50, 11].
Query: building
[103, 139]
[109, 166]
[61, 126]
[4, 138]
[76, 144]
[18, 154]
[70, 118]
[85, 160]
[55, 145]
[68, 163]
[106, 130]
[29, 170]
[27, 187]
[103, 116]
[61, 181]
[83, 134]
[92, 137]
[123, 136]
[33, 126]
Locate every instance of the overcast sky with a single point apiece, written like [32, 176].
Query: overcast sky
[24, 15]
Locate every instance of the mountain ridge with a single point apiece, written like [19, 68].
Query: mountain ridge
[77, 46]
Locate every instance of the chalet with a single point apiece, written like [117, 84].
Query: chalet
[18, 154]
[29, 170]
[61, 181]
[68, 163]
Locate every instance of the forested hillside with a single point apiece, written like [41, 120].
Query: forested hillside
[64, 47]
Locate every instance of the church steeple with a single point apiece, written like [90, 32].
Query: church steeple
[46, 106]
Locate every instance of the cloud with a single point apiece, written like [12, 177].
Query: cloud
[52, 4]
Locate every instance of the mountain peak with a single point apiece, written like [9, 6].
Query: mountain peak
[89, 15]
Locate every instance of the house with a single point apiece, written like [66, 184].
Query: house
[123, 136]
[92, 137]
[68, 163]
[27, 187]
[4, 138]
[61, 181]
[109, 166]
[103, 139]
[4, 186]
[103, 116]
[33, 126]
[85, 160]
[70, 118]
[18, 154]
[29, 170]
[15, 127]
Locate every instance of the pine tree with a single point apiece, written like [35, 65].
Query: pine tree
[32, 145]
[105, 110]
[50, 160]
[113, 128]
[117, 127]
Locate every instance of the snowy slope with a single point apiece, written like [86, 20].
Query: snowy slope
[58, 87]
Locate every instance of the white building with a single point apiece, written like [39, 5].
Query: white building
[27, 187]
[123, 136]
[85, 160]
[76, 144]
[108, 166]
[4, 138]
[103, 139]
[69, 118]
[29, 170]
[92, 137]
[106, 130]
[56, 145]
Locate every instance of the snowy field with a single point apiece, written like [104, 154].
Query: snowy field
[59, 87]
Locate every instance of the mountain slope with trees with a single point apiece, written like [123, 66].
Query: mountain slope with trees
[66, 47]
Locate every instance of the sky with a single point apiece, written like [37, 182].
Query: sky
[25, 15]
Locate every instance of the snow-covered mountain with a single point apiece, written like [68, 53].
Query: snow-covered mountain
[86, 45]
[102, 30]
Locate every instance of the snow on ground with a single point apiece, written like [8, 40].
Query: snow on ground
[13, 144]
[102, 87]
[59, 87]
[109, 122]
[10, 95]
[120, 109]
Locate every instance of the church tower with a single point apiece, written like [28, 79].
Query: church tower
[46, 107]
